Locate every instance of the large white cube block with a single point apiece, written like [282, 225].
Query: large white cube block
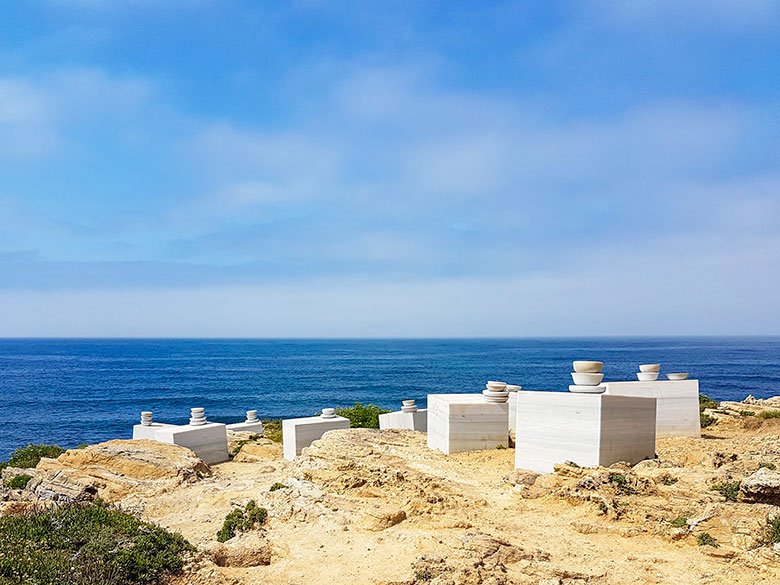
[677, 407]
[247, 427]
[148, 431]
[413, 421]
[588, 429]
[466, 422]
[208, 441]
[299, 433]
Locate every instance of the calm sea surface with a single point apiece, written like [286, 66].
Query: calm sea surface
[83, 391]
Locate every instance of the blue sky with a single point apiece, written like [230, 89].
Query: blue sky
[312, 168]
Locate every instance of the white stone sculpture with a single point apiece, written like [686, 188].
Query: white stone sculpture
[252, 424]
[587, 429]
[678, 404]
[409, 417]
[466, 422]
[207, 439]
[299, 433]
[587, 377]
[148, 428]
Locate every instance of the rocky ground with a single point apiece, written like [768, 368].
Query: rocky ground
[366, 506]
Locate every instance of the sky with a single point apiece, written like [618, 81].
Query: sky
[204, 168]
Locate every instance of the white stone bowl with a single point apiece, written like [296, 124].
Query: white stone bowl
[408, 402]
[586, 367]
[647, 376]
[650, 368]
[328, 412]
[496, 386]
[513, 387]
[586, 378]
[678, 376]
[498, 397]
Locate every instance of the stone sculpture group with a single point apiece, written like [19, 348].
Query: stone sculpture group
[595, 423]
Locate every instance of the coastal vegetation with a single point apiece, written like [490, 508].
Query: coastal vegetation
[31, 455]
[706, 539]
[362, 416]
[81, 544]
[705, 402]
[18, 482]
[766, 414]
[728, 489]
[272, 430]
[242, 520]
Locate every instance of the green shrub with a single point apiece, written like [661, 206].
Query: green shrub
[82, 544]
[272, 430]
[707, 402]
[771, 530]
[680, 522]
[769, 414]
[705, 538]
[747, 413]
[728, 489]
[277, 486]
[423, 575]
[620, 482]
[705, 420]
[18, 482]
[767, 465]
[362, 417]
[30, 455]
[241, 520]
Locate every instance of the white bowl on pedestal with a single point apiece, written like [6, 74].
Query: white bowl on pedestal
[586, 378]
[650, 368]
[678, 376]
[647, 376]
[513, 388]
[497, 397]
[588, 367]
[328, 413]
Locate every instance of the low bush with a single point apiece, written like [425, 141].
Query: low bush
[31, 455]
[707, 402]
[769, 414]
[18, 482]
[706, 539]
[771, 533]
[767, 465]
[86, 544]
[272, 430]
[680, 522]
[362, 416]
[241, 520]
[277, 486]
[728, 489]
[705, 420]
[620, 481]
[747, 413]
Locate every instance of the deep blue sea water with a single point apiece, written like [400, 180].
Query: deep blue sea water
[71, 391]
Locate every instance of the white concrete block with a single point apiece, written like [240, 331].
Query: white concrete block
[299, 433]
[148, 431]
[207, 440]
[588, 429]
[678, 404]
[466, 422]
[247, 427]
[413, 421]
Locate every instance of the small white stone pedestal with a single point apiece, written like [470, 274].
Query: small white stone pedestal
[208, 440]
[252, 424]
[148, 431]
[466, 422]
[678, 404]
[413, 421]
[587, 429]
[299, 433]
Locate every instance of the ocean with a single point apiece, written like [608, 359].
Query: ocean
[73, 391]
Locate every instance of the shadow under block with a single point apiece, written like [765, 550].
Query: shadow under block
[466, 422]
[413, 421]
[148, 431]
[299, 433]
[247, 427]
[587, 429]
[208, 441]
[677, 406]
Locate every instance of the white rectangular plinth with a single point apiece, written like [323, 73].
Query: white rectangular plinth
[209, 441]
[466, 422]
[587, 429]
[678, 404]
[299, 433]
[148, 431]
[247, 427]
[413, 421]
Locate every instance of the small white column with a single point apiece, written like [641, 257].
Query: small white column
[409, 417]
[252, 424]
[299, 433]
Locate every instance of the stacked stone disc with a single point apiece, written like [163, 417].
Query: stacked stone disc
[251, 416]
[408, 406]
[495, 392]
[146, 418]
[648, 372]
[587, 377]
[197, 417]
[328, 413]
